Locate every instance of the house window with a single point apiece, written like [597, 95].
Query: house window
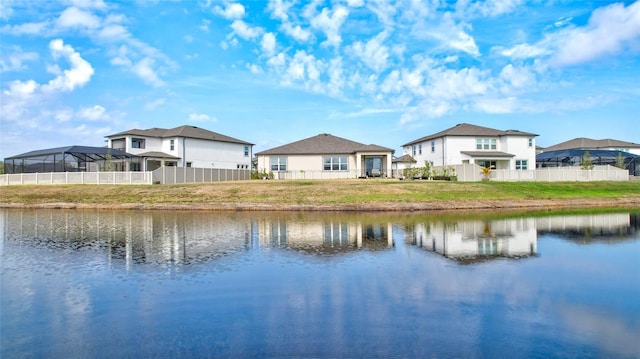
[521, 165]
[420, 149]
[188, 163]
[489, 164]
[486, 144]
[172, 145]
[137, 143]
[134, 167]
[246, 151]
[530, 141]
[119, 144]
[433, 146]
[334, 163]
[278, 163]
[413, 150]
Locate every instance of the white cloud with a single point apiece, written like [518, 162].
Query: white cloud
[268, 43]
[516, 78]
[204, 26]
[522, 51]
[16, 60]
[30, 28]
[79, 74]
[232, 11]
[94, 113]
[150, 106]
[336, 76]
[611, 30]
[145, 70]
[374, 54]
[297, 32]
[74, 17]
[89, 4]
[245, 31]
[201, 117]
[330, 22]
[279, 9]
[254, 69]
[492, 8]
[449, 33]
[496, 105]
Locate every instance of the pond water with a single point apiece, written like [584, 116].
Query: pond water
[104, 284]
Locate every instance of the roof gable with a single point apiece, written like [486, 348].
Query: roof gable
[181, 131]
[323, 143]
[466, 129]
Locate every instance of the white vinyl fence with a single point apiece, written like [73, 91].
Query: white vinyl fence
[76, 178]
[174, 175]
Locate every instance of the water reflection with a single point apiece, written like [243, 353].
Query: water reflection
[608, 227]
[191, 237]
[478, 240]
[235, 284]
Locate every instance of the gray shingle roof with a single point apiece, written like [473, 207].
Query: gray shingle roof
[404, 159]
[182, 131]
[157, 154]
[323, 143]
[465, 129]
[588, 143]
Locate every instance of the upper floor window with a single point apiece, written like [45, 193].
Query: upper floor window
[119, 144]
[137, 143]
[486, 144]
[433, 146]
[335, 163]
[246, 151]
[172, 145]
[530, 141]
[413, 150]
[420, 148]
[278, 163]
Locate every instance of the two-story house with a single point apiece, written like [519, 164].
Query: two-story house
[184, 146]
[471, 144]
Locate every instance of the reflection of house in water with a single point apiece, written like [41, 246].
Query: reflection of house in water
[137, 237]
[324, 235]
[592, 227]
[470, 241]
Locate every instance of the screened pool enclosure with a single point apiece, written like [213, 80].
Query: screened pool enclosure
[564, 158]
[72, 159]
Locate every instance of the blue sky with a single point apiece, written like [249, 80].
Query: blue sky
[273, 72]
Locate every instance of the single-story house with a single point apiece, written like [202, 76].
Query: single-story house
[402, 162]
[184, 146]
[325, 156]
[470, 144]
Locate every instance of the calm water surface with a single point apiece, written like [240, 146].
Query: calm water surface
[104, 284]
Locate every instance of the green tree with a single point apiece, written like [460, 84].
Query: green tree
[586, 164]
[620, 161]
[1, 167]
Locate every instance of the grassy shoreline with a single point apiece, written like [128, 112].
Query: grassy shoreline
[328, 195]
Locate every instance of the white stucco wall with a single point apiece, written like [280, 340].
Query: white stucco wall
[211, 154]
